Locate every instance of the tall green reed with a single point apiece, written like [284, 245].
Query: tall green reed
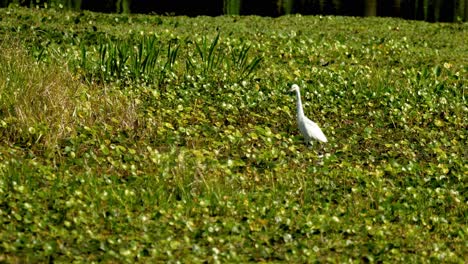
[141, 60]
[215, 61]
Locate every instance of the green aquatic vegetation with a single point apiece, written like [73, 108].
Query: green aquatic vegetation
[132, 138]
[123, 61]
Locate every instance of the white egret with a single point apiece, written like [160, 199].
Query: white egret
[309, 129]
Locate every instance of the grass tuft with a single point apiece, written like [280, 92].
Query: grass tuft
[43, 104]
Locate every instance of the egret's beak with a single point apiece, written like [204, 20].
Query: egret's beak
[294, 88]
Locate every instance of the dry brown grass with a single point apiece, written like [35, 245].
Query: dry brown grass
[43, 103]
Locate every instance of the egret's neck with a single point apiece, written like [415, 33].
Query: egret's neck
[300, 112]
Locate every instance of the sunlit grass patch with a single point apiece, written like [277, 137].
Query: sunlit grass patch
[37, 101]
[43, 104]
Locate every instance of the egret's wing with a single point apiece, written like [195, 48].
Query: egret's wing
[312, 130]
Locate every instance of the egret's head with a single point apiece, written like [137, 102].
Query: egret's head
[294, 88]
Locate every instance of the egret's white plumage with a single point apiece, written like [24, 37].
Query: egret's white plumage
[308, 128]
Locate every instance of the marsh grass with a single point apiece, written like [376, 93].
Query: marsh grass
[148, 60]
[132, 148]
[217, 62]
[34, 109]
[43, 104]
[210, 54]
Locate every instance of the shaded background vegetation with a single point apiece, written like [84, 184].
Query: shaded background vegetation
[429, 10]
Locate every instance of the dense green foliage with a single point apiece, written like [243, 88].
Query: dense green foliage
[427, 10]
[147, 138]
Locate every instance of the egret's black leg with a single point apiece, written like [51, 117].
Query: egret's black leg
[321, 152]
